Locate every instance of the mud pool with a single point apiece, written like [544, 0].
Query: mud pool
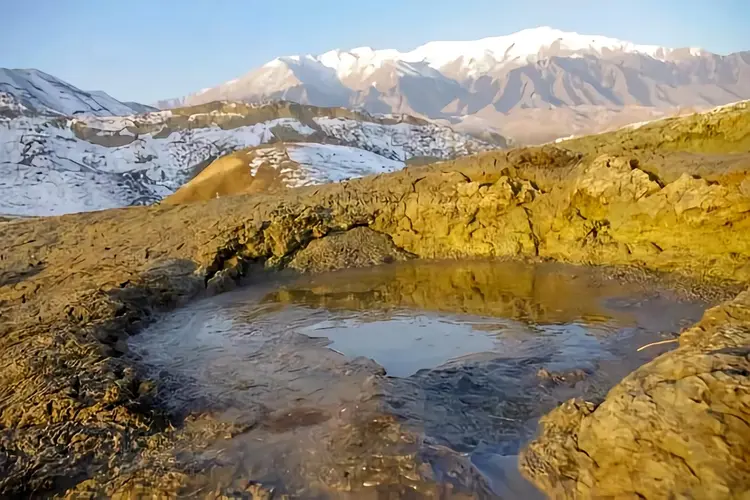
[423, 378]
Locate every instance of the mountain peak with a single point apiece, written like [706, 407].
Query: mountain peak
[527, 44]
[362, 51]
[41, 92]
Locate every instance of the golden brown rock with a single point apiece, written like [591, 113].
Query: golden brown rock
[676, 427]
[74, 287]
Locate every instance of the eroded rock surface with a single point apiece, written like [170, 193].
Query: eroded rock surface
[357, 247]
[75, 417]
[677, 427]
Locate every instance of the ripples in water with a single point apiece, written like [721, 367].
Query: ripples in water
[423, 378]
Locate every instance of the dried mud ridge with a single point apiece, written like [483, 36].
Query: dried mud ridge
[77, 419]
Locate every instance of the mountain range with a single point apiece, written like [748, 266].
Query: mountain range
[533, 86]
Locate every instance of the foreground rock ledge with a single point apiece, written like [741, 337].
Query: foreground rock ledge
[678, 427]
[73, 415]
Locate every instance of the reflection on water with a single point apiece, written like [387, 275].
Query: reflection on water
[402, 343]
[403, 380]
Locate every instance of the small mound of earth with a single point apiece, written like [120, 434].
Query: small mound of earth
[358, 247]
[280, 166]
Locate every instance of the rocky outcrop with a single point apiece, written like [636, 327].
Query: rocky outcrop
[725, 129]
[677, 427]
[74, 414]
[357, 247]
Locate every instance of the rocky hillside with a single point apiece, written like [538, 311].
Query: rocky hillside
[43, 93]
[63, 164]
[534, 85]
[724, 129]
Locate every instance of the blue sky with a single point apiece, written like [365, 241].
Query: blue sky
[145, 50]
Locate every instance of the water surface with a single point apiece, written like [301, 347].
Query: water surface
[404, 379]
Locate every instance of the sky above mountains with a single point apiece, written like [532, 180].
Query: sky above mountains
[144, 51]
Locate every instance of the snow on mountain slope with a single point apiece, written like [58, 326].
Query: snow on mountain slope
[400, 141]
[52, 166]
[47, 170]
[321, 163]
[440, 59]
[10, 105]
[44, 93]
[476, 55]
[521, 47]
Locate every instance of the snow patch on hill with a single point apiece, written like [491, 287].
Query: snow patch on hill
[8, 102]
[47, 170]
[323, 163]
[400, 141]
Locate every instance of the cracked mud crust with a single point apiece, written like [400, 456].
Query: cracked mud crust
[77, 419]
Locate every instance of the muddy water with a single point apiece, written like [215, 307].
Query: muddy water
[402, 381]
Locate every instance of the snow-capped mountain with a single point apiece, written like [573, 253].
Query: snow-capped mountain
[55, 165]
[497, 81]
[476, 58]
[37, 91]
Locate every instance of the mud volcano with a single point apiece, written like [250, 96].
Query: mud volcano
[459, 358]
[252, 407]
